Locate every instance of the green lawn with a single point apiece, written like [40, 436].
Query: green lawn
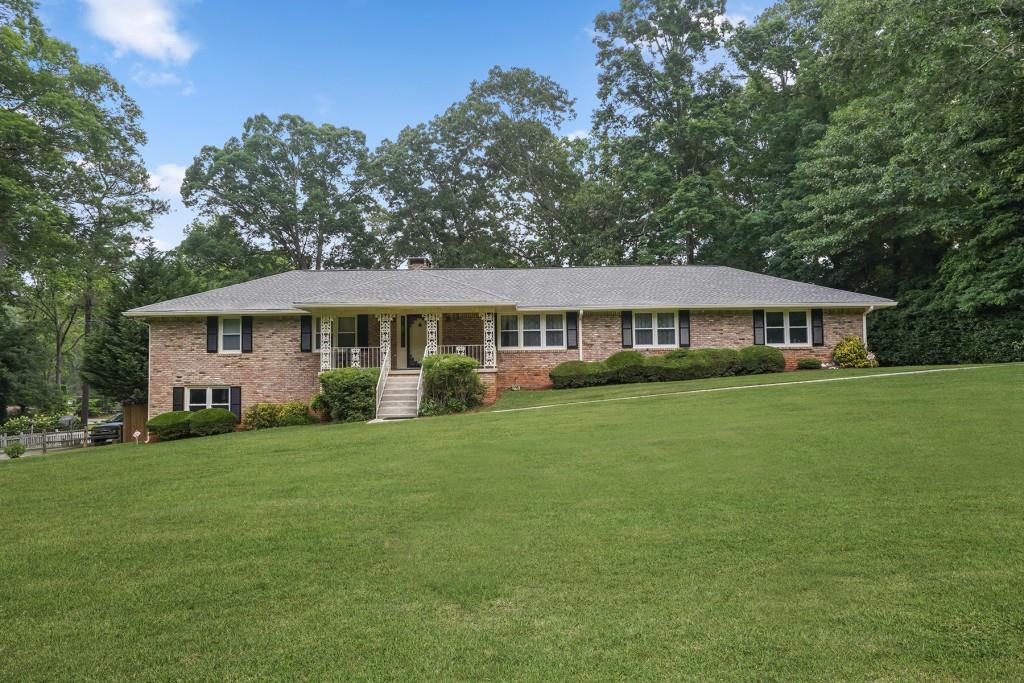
[861, 530]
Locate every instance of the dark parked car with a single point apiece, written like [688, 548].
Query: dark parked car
[107, 432]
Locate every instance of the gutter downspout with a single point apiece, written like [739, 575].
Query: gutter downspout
[864, 322]
[579, 333]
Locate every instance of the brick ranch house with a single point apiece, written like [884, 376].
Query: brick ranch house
[267, 340]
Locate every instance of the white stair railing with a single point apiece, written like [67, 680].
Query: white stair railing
[419, 391]
[382, 380]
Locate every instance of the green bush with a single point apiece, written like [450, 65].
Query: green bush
[702, 363]
[676, 354]
[294, 413]
[921, 332]
[576, 373]
[263, 416]
[808, 364]
[14, 451]
[851, 353]
[450, 384]
[755, 360]
[39, 422]
[171, 425]
[350, 394]
[210, 421]
[624, 358]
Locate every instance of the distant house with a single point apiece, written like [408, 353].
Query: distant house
[268, 339]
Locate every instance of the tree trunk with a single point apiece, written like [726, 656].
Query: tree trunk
[86, 330]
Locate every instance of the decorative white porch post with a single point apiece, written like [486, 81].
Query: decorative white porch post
[490, 352]
[431, 320]
[354, 360]
[385, 334]
[326, 349]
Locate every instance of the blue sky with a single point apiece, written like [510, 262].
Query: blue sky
[199, 68]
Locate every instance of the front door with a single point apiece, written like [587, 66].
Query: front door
[416, 340]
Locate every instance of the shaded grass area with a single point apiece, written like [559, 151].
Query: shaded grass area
[850, 530]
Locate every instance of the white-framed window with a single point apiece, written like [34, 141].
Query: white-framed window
[344, 331]
[199, 398]
[787, 328]
[531, 331]
[230, 335]
[654, 328]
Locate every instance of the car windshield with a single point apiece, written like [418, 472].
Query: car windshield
[117, 418]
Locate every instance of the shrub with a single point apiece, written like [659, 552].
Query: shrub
[350, 394]
[24, 423]
[808, 364]
[755, 360]
[851, 353]
[676, 354]
[263, 416]
[210, 421]
[14, 451]
[450, 384]
[294, 413]
[577, 373]
[627, 366]
[171, 425]
[701, 363]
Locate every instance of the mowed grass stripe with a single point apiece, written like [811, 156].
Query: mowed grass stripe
[849, 531]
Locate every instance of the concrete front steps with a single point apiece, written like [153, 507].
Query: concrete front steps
[399, 399]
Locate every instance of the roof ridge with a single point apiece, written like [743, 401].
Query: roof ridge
[463, 284]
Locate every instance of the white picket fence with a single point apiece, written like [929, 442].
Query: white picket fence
[52, 438]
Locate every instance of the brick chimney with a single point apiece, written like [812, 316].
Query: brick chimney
[419, 263]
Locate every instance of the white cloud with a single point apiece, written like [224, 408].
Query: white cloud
[147, 27]
[149, 79]
[166, 180]
[579, 134]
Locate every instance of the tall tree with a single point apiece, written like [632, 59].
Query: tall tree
[219, 255]
[117, 354]
[663, 120]
[290, 183]
[477, 184]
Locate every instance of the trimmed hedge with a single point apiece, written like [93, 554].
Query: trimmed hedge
[210, 421]
[808, 364]
[756, 360]
[627, 367]
[175, 424]
[270, 415]
[349, 394]
[920, 332]
[450, 384]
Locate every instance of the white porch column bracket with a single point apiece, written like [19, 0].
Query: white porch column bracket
[326, 349]
[431, 320]
[385, 333]
[356, 360]
[490, 352]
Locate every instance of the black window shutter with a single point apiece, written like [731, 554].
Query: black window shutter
[178, 398]
[403, 325]
[759, 327]
[572, 327]
[246, 334]
[211, 334]
[306, 333]
[684, 328]
[817, 327]
[627, 329]
[236, 403]
[362, 330]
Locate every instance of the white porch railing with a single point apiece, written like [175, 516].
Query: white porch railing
[355, 357]
[382, 381]
[474, 351]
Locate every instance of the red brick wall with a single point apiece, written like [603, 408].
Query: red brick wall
[275, 371]
[462, 328]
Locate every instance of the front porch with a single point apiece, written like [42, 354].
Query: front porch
[400, 340]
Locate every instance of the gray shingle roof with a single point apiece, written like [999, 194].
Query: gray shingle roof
[525, 288]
